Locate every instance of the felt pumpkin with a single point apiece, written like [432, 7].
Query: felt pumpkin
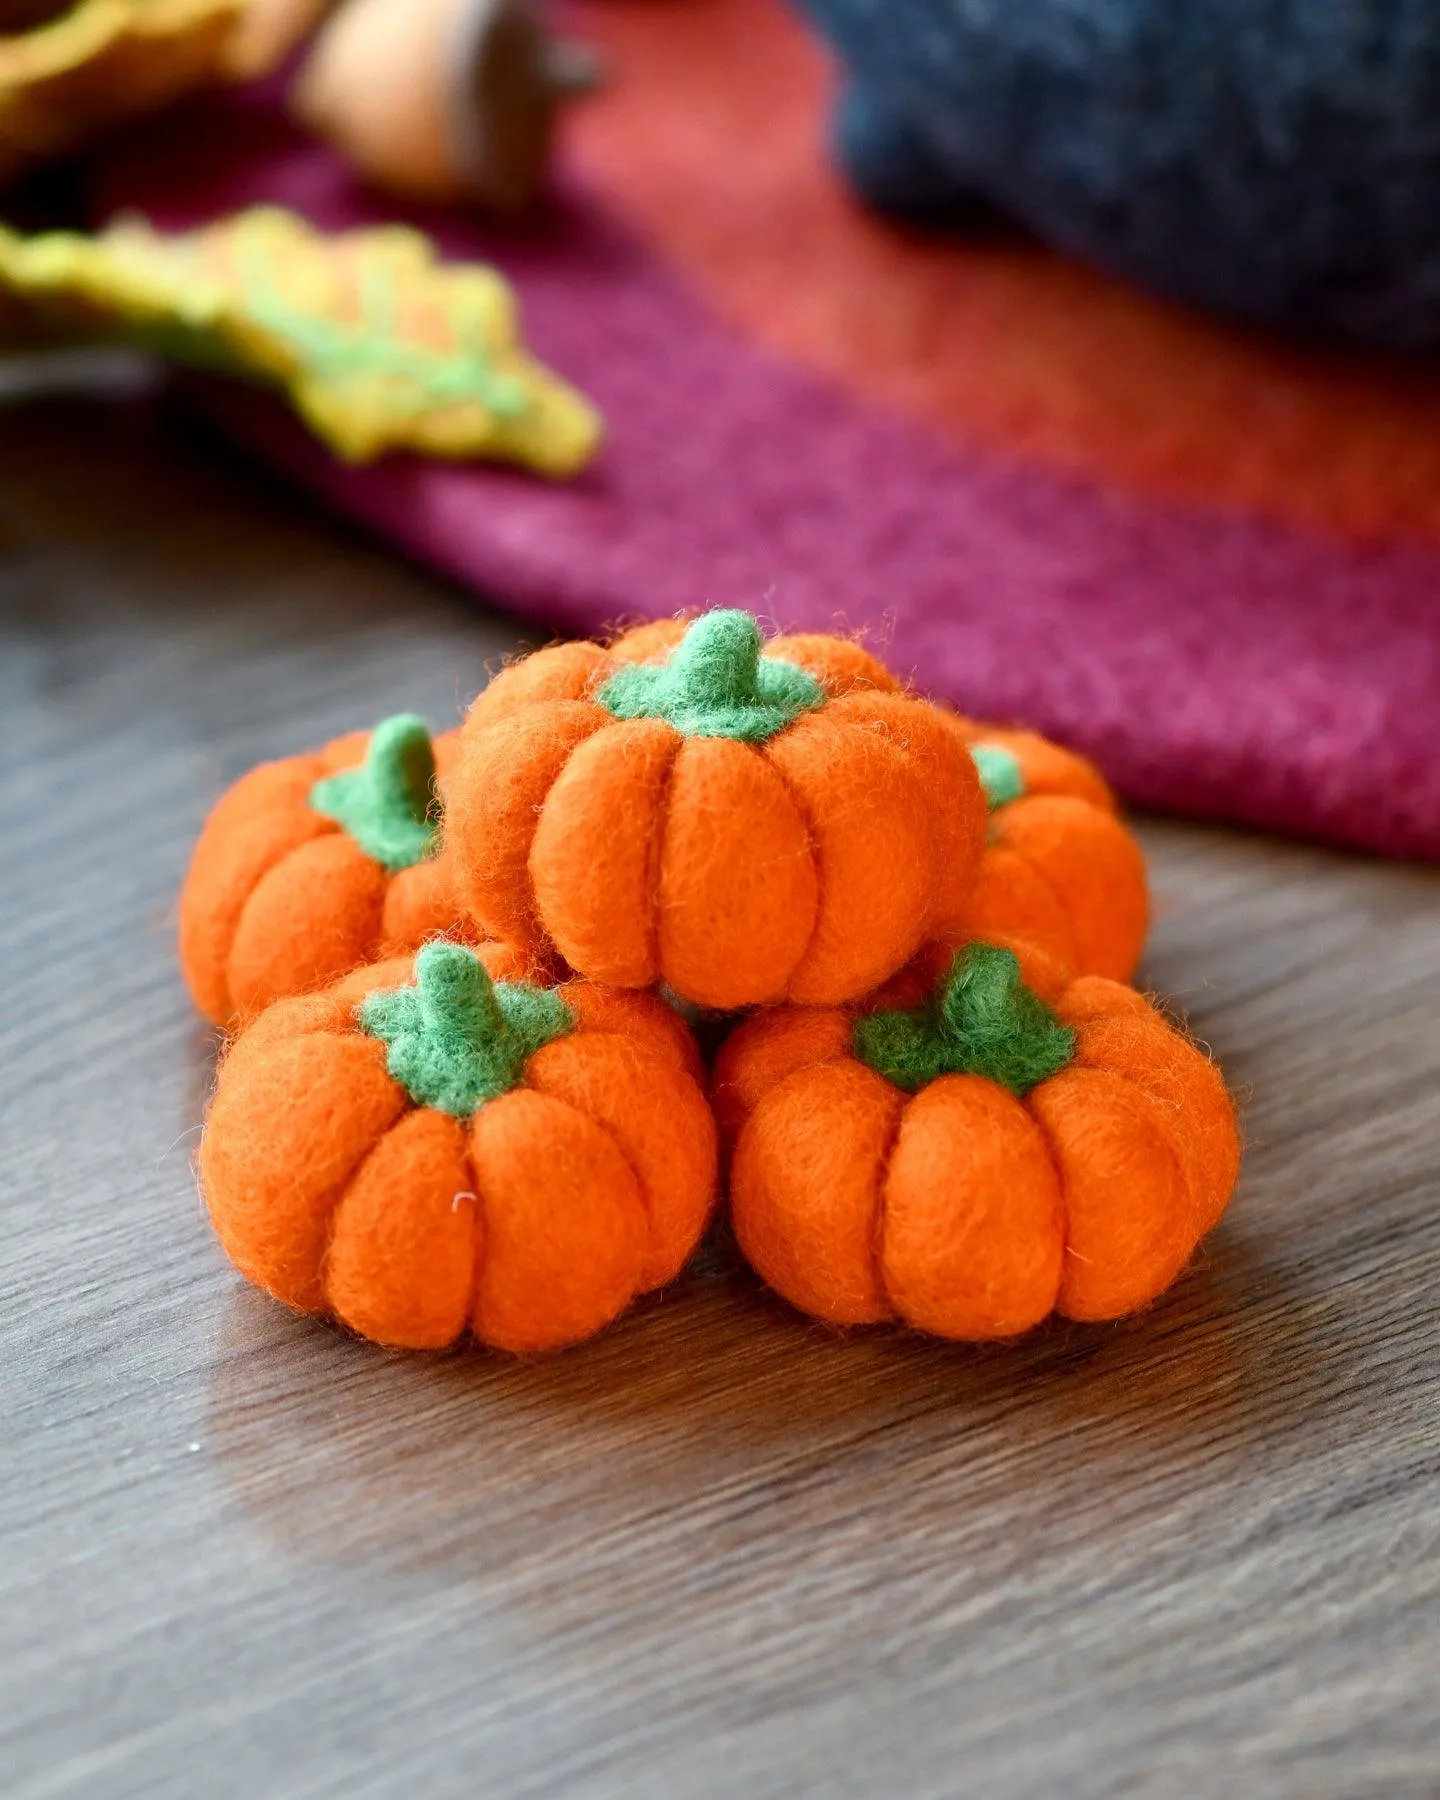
[431, 1147]
[313, 864]
[977, 1163]
[1059, 871]
[709, 814]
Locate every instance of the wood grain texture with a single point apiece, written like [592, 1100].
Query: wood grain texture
[718, 1552]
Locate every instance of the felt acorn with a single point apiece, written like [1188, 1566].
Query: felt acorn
[1059, 871]
[431, 1147]
[977, 1163]
[713, 814]
[443, 100]
[313, 864]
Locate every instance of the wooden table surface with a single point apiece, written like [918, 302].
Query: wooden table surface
[719, 1551]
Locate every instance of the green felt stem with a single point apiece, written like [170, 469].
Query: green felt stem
[717, 683]
[456, 1039]
[388, 804]
[982, 1020]
[1001, 776]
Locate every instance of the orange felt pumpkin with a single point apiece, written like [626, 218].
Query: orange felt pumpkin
[1059, 871]
[695, 808]
[431, 1146]
[313, 864]
[976, 1164]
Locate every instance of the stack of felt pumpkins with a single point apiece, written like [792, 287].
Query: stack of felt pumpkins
[465, 1092]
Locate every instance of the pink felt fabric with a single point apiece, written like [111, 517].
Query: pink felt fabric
[1213, 665]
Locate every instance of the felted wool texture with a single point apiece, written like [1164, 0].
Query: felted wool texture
[1011, 900]
[805, 1189]
[501, 780]
[569, 671]
[402, 1256]
[642, 1017]
[737, 901]
[388, 804]
[1045, 767]
[1043, 972]
[455, 1039]
[839, 664]
[660, 1120]
[348, 752]
[760, 840]
[1238, 162]
[502, 962]
[980, 1020]
[651, 642]
[594, 859]
[1096, 870]
[1128, 1212]
[1066, 877]
[1001, 776]
[763, 1049]
[564, 1223]
[973, 1241]
[279, 898]
[577, 670]
[716, 682]
[312, 915]
[252, 828]
[334, 1008]
[1079, 580]
[294, 1017]
[946, 766]
[530, 1223]
[1133, 1040]
[282, 1138]
[877, 833]
[1134, 1141]
[419, 903]
[556, 672]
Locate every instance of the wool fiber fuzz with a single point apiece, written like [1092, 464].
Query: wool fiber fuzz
[1060, 873]
[739, 821]
[434, 1146]
[979, 1162]
[312, 865]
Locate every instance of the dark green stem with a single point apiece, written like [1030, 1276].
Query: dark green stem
[388, 805]
[456, 1039]
[982, 1020]
[717, 683]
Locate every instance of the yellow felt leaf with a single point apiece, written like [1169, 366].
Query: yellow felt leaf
[378, 345]
[101, 62]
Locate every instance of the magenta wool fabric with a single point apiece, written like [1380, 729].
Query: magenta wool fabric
[1212, 665]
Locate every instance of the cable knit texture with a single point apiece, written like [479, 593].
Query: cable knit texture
[1279, 164]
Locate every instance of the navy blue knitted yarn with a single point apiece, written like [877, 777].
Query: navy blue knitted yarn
[1276, 160]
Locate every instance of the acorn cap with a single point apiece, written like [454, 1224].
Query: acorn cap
[507, 80]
